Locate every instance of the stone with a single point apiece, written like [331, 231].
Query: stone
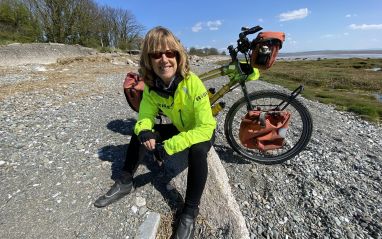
[140, 201]
[148, 229]
[218, 205]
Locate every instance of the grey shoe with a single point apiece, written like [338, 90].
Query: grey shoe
[186, 226]
[116, 192]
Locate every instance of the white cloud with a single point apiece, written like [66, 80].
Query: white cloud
[214, 25]
[197, 27]
[292, 15]
[366, 27]
[328, 36]
[350, 15]
[260, 20]
[211, 25]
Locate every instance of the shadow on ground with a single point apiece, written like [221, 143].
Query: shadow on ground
[228, 155]
[158, 176]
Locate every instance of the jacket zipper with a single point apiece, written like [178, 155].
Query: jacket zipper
[181, 119]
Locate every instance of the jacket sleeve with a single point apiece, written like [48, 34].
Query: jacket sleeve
[147, 113]
[204, 125]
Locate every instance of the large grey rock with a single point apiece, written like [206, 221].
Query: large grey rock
[218, 205]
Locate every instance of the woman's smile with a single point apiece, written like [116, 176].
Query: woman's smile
[165, 67]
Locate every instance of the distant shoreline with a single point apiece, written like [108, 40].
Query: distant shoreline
[334, 54]
[331, 52]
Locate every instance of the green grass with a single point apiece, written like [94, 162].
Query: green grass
[345, 83]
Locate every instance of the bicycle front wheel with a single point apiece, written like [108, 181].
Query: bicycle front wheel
[299, 130]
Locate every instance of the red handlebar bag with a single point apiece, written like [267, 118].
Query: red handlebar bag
[265, 48]
[264, 130]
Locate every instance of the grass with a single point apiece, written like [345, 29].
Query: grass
[346, 83]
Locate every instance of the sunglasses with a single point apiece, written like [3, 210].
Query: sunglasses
[168, 54]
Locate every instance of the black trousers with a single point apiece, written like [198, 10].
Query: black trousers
[197, 162]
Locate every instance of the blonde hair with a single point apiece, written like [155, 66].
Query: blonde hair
[155, 40]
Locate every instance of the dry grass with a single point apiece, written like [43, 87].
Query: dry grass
[169, 222]
[76, 70]
[166, 226]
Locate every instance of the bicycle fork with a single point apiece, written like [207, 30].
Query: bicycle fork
[246, 96]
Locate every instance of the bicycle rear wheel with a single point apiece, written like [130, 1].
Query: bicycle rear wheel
[298, 134]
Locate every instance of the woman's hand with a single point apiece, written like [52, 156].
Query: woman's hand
[149, 144]
[148, 139]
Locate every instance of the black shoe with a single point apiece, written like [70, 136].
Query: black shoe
[116, 192]
[186, 226]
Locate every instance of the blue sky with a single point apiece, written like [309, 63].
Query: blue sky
[309, 25]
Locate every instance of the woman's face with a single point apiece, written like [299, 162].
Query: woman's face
[164, 64]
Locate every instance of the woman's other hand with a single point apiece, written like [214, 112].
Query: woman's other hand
[148, 139]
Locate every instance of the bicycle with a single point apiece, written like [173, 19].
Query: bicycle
[269, 104]
[300, 126]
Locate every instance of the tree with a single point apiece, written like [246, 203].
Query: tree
[17, 22]
[69, 21]
[203, 52]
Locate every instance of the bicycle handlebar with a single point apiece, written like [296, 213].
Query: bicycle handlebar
[243, 43]
[247, 31]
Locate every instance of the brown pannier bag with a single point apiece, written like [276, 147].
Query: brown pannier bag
[264, 131]
[133, 86]
[265, 48]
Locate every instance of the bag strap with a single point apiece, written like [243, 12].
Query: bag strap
[262, 119]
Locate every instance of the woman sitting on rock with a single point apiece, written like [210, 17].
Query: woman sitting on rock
[172, 88]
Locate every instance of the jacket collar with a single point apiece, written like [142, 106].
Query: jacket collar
[160, 88]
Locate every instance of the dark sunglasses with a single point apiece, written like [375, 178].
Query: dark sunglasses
[168, 54]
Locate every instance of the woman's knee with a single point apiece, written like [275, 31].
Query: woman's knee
[200, 150]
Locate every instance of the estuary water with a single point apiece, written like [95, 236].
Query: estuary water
[296, 56]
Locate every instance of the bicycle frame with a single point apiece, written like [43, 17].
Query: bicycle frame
[236, 77]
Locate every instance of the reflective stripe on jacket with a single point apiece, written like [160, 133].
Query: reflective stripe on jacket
[189, 110]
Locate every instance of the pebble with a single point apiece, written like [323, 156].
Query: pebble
[140, 201]
[134, 209]
[2, 163]
[142, 211]
[338, 222]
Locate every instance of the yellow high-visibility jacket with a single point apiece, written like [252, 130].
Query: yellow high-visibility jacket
[189, 110]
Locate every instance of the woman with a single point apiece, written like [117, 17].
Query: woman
[173, 89]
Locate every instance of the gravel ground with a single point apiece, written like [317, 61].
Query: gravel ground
[65, 129]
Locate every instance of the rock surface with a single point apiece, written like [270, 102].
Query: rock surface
[39, 53]
[65, 128]
[218, 207]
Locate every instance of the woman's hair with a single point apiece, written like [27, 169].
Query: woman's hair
[156, 40]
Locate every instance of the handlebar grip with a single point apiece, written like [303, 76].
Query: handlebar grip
[249, 31]
[254, 30]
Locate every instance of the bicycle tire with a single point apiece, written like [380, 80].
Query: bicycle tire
[299, 130]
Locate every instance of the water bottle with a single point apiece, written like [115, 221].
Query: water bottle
[265, 50]
[217, 108]
[264, 55]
